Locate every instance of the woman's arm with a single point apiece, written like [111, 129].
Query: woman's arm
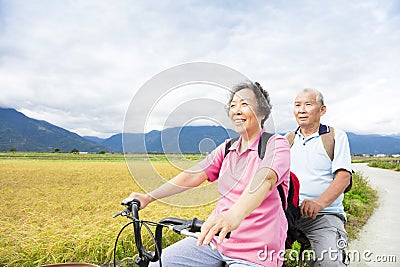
[262, 183]
[188, 179]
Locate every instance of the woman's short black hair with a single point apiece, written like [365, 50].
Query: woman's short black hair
[262, 96]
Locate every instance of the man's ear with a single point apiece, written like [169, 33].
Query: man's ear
[323, 110]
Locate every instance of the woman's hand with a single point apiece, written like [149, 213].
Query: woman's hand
[218, 223]
[143, 198]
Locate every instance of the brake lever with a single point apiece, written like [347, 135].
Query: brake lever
[121, 213]
[117, 214]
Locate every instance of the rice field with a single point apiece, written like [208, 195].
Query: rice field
[55, 211]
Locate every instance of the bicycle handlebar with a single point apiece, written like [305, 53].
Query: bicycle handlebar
[134, 206]
[191, 225]
[180, 226]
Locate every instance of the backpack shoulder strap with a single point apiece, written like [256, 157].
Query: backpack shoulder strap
[262, 144]
[282, 195]
[328, 140]
[290, 137]
[229, 144]
[327, 134]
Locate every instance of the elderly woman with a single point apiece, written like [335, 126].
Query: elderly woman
[250, 205]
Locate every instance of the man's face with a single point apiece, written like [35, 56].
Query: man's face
[307, 110]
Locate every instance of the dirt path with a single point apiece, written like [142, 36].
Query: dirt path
[379, 243]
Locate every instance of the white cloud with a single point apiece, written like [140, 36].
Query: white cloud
[77, 64]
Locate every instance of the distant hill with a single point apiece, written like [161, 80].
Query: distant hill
[198, 138]
[94, 139]
[394, 136]
[26, 134]
[373, 144]
[189, 139]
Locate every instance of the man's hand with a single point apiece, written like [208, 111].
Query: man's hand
[310, 208]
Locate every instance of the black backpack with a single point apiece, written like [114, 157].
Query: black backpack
[292, 211]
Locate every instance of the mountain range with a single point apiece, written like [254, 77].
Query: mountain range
[22, 133]
[188, 139]
[26, 134]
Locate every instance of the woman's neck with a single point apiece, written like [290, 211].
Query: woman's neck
[248, 139]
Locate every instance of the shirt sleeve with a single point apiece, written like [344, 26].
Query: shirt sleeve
[277, 157]
[213, 162]
[342, 155]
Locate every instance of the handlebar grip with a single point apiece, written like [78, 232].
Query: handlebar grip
[130, 203]
[193, 225]
[227, 236]
[196, 227]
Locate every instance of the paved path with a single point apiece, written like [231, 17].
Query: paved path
[379, 240]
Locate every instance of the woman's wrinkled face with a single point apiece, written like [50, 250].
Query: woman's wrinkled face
[243, 112]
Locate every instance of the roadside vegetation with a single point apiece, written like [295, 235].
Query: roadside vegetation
[57, 207]
[388, 162]
[359, 203]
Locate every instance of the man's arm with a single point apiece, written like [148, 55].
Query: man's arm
[264, 181]
[311, 207]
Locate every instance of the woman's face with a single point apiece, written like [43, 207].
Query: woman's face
[243, 113]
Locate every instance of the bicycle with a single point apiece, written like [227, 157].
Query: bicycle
[189, 228]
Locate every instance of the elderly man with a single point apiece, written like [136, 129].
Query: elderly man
[323, 178]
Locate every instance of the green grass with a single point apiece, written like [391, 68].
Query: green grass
[57, 207]
[386, 164]
[359, 203]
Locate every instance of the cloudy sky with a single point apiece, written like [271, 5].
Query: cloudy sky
[79, 64]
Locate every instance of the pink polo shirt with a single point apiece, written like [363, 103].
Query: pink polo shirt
[261, 236]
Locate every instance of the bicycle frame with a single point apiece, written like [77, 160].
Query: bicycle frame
[181, 226]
